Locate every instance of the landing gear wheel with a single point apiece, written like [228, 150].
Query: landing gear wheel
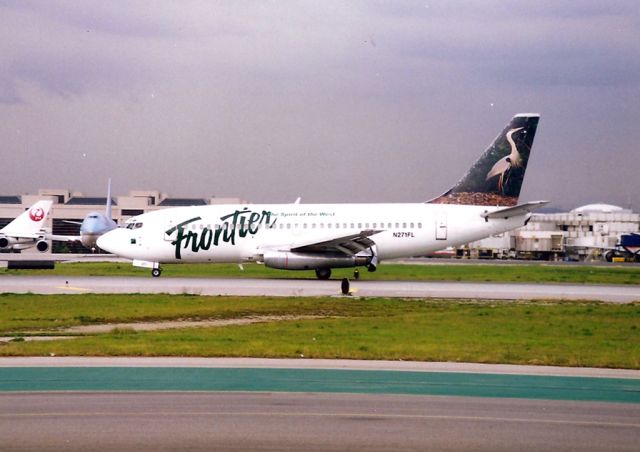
[323, 273]
[372, 268]
[608, 256]
[156, 272]
[344, 286]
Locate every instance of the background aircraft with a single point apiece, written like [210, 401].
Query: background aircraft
[26, 230]
[324, 236]
[93, 226]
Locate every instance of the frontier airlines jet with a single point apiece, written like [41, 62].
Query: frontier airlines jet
[324, 236]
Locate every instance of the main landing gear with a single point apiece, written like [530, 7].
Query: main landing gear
[323, 273]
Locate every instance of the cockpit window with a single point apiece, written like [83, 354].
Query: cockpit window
[133, 223]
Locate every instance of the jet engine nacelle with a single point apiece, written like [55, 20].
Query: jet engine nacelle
[7, 242]
[42, 246]
[285, 260]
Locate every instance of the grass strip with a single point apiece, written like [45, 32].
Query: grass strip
[544, 333]
[391, 272]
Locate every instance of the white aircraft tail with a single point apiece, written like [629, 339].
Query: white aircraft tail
[29, 221]
[108, 208]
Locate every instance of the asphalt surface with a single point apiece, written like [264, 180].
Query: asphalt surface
[273, 421]
[267, 404]
[308, 287]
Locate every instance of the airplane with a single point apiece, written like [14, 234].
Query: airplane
[93, 226]
[26, 230]
[321, 237]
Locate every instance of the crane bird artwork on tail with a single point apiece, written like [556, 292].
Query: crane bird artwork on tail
[496, 177]
[503, 166]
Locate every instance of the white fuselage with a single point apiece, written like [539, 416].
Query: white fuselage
[243, 233]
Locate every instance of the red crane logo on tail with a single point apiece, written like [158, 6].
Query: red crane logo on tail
[36, 214]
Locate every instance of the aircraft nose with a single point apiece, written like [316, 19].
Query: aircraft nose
[113, 241]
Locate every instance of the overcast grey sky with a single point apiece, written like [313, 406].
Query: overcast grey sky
[358, 101]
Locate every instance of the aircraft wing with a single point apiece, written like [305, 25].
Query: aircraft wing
[348, 244]
[24, 235]
[63, 238]
[515, 211]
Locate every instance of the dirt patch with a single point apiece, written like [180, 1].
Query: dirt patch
[33, 338]
[154, 326]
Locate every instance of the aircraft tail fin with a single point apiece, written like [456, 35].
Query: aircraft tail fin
[30, 221]
[108, 207]
[495, 179]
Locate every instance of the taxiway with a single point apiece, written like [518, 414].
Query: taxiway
[314, 288]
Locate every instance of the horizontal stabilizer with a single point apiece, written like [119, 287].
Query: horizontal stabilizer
[515, 211]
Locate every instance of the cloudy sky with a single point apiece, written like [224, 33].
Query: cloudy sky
[358, 101]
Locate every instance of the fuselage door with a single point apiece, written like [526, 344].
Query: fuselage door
[441, 226]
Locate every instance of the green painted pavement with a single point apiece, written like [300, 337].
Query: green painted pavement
[318, 380]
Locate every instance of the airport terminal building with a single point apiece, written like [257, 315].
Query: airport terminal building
[583, 234]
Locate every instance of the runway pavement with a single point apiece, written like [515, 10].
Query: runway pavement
[309, 287]
[275, 421]
[312, 405]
